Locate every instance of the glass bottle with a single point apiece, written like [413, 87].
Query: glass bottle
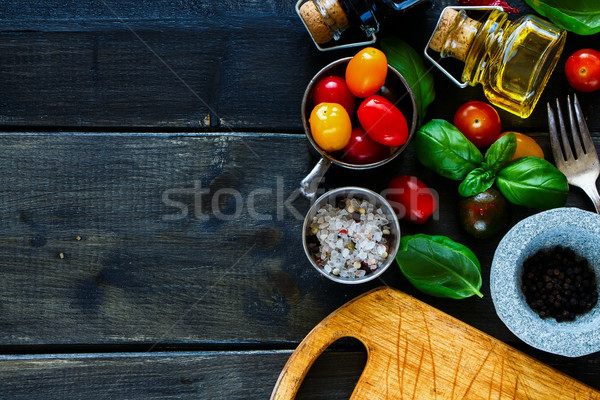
[326, 20]
[512, 60]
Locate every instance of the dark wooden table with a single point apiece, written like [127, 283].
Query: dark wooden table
[149, 215]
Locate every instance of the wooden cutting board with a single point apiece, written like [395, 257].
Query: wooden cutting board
[415, 351]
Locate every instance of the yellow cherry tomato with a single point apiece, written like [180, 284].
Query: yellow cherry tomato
[526, 146]
[330, 126]
[366, 72]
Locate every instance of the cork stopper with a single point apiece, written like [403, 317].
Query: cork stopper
[325, 19]
[454, 34]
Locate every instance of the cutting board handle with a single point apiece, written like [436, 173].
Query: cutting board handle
[315, 343]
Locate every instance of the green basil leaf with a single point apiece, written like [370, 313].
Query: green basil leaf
[443, 148]
[408, 62]
[438, 266]
[477, 181]
[533, 182]
[501, 152]
[579, 16]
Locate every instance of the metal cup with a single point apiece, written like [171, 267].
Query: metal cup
[395, 83]
[333, 196]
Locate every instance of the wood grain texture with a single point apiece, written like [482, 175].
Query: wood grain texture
[90, 241]
[244, 375]
[417, 352]
[197, 64]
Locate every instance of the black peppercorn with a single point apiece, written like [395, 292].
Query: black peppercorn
[557, 283]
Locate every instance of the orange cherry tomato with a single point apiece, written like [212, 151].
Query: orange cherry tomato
[366, 72]
[330, 126]
[526, 146]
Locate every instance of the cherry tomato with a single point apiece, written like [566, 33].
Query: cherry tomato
[330, 126]
[526, 146]
[361, 149]
[479, 122]
[583, 70]
[483, 215]
[333, 89]
[411, 199]
[383, 121]
[366, 72]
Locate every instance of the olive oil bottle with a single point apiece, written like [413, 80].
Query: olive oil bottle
[512, 60]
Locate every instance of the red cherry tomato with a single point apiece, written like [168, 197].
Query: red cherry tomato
[583, 70]
[479, 122]
[361, 149]
[333, 89]
[383, 121]
[366, 72]
[411, 199]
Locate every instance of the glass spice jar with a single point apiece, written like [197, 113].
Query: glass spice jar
[512, 60]
[326, 20]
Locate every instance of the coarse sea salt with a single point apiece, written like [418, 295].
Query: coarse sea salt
[351, 244]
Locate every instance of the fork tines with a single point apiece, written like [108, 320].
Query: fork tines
[579, 132]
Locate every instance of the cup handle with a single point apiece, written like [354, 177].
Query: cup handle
[310, 184]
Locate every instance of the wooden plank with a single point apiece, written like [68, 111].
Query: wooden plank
[14, 11]
[93, 235]
[192, 65]
[244, 375]
[198, 76]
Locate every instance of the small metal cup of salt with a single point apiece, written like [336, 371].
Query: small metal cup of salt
[333, 197]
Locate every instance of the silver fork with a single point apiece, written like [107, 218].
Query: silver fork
[582, 169]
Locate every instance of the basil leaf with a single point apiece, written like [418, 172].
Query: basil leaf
[438, 266]
[533, 182]
[443, 148]
[579, 16]
[501, 152]
[408, 62]
[479, 180]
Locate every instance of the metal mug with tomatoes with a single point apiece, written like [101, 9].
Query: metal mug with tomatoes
[361, 152]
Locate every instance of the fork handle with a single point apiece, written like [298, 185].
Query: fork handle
[592, 192]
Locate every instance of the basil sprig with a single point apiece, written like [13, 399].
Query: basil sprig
[482, 178]
[579, 16]
[477, 181]
[444, 149]
[533, 182]
[529, 181]
[501, 152]
[438, 266]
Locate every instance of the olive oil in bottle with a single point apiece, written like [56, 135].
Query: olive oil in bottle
[512, 60]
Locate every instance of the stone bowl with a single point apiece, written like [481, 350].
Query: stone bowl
[570, 227]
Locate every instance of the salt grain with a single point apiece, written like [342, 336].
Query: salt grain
[345, 244]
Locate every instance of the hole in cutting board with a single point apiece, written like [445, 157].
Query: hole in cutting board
[335, 373]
